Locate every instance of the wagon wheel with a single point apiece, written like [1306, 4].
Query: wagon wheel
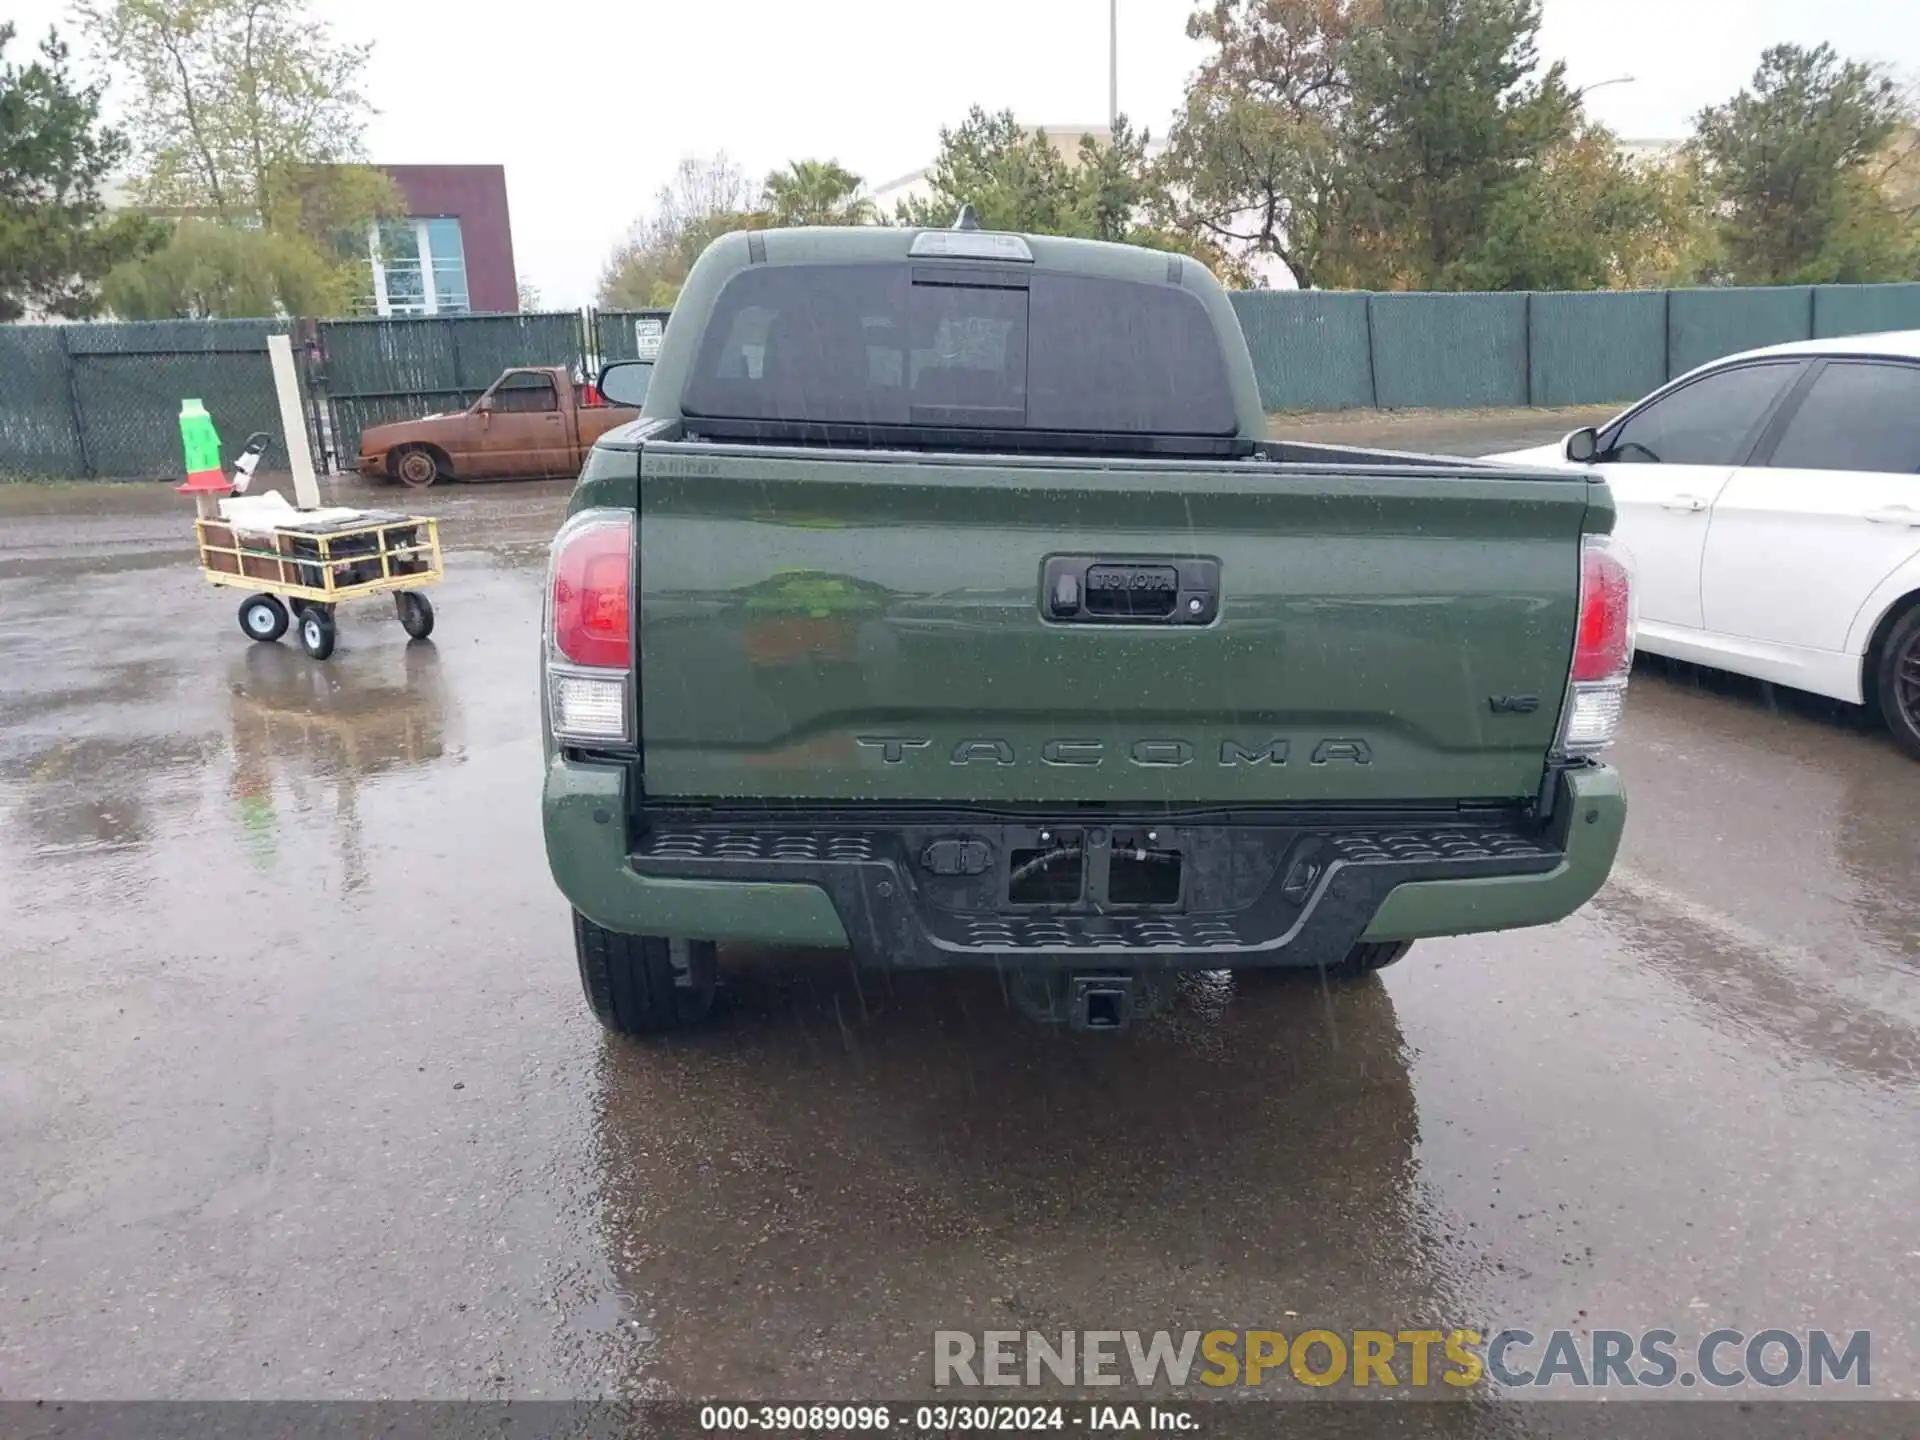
[417, 468]
[263, 617]
[317, 632]
[415, 611]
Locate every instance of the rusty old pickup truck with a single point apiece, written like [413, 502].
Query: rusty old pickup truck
[532, 422]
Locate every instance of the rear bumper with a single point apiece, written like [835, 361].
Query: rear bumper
[1310, 890]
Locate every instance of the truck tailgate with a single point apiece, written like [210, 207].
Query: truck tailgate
[835, 625]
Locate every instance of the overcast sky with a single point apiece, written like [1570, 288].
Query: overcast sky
[591, 111]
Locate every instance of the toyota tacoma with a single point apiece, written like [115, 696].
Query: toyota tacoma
[948, 604]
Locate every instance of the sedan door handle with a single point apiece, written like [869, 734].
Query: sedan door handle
[1894, 515]
[1692, 504]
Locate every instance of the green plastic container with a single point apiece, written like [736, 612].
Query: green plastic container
[199, 441]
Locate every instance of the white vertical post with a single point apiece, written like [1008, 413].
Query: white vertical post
[425, 247]
[293, 422]
[1113, 67]
[381, 305]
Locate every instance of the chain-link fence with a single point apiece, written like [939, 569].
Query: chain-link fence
[103, 401]
[1315, 350]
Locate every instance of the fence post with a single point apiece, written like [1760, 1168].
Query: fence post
[1667, 333]
[1373, 369]
[73, 405]
[1526, 344]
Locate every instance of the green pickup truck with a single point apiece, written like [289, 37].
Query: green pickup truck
[948, 604]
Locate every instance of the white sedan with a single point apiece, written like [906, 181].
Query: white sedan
[1771, 504]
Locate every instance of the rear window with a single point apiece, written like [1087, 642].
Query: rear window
[961, 346]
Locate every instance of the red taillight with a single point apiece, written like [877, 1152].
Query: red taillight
[1604, 647]
[592, 593]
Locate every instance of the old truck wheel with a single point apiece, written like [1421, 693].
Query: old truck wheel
[317, 632]
[644, 984]
[263, 617]
[415, 611]
[417, 468]
[1898, 687]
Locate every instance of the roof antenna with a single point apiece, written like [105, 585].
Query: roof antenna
[966, 219]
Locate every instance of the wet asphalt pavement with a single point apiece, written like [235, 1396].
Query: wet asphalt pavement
[298, 1097]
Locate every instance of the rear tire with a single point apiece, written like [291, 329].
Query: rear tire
[317, 632]
[1358, 963]
[1898, 677]
[415, 612]
[644, 984]
[1365, 958]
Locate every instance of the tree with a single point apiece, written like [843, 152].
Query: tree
[705, 200]
[1014, 178]
[1898, 166]
[249, 112]
[1256, 153]
[815, 192]
[528, 296]
[56, 241]
[215, 271]
[1584, 218]
[1448, 119]
[1020, 179]
[1796, 163]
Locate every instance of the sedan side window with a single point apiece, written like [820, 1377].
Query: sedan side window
[1708, 422]
[1857, 415]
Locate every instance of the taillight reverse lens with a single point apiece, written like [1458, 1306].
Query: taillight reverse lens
[1602, 650]
[589, 641]
[592, 591]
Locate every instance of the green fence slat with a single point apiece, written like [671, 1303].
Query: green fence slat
[1309, 347]
[1593, 346]
[1457, 351]
[39, 435]
[1704, 325]
[1865, 309]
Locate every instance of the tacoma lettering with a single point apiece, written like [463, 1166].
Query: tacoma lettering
[1160, 754]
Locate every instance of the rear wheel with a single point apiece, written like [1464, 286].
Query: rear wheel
[317, 632]
[415, 611]
[416, 468]
[1898, 689]
[1358, 963]
[1363, 959]
[644, 984]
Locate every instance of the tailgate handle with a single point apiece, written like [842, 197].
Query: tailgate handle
[1129, 590]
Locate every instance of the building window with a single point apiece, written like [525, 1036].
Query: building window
[449, 265]
[419, 266]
